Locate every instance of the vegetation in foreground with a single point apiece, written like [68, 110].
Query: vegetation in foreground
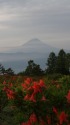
[35, 101]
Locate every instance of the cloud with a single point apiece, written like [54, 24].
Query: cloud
[21, 20]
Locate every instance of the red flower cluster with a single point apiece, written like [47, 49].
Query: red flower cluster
[7, 88]
[62, 117]
[10, 93]
[32, 89]
[33, 120]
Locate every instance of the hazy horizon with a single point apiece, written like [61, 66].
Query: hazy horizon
[47, 20]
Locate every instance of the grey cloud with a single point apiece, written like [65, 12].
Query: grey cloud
[41, 18]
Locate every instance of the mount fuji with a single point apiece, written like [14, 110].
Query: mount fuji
[17, 57]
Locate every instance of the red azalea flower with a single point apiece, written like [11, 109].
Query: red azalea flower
[27, 97]
[24, 86]
[41, 83]
[62, 118]
[26, 123]
[68, 97]
[32, 98]
[55, 111]
[10, 94]
[28, 81]
[4, 82]
[43, 98]
[36, 87]
[48, 120]
[33, 118]
[30, 89]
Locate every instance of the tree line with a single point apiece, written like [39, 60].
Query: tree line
[59, 63]
[4, 71]
[55, 64]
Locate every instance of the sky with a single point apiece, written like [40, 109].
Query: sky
[23, 20]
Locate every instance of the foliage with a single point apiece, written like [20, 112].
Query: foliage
[33, 69]
[2, 69]
[24, 101]
[8, 71]
[51, 63]
[62, 62]
[58, 64]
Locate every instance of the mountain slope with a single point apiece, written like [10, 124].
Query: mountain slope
[34, 45]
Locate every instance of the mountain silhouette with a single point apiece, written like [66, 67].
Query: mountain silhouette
[32, 46]
[17, 57]
[35, 45]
